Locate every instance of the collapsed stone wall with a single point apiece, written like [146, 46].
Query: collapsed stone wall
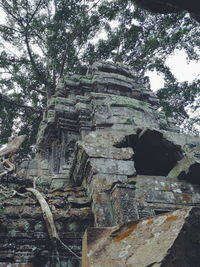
[125, 186]
[104, 137]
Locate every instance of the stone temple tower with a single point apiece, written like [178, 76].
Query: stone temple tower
[104, 139]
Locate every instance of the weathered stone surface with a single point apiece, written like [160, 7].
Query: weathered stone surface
[97, 155]
[109, 166]
[108, 179]
[121, 197]
[110, 96]
[118, 158]
[188, 169]
[100, 163]
[156, 195]
[23, 234]
[166, 240]
[93, 150]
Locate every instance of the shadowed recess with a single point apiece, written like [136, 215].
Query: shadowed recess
[153, 153]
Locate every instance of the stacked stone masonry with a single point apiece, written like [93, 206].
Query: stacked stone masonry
[106, 155]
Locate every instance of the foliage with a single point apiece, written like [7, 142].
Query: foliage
[179, 100]
[43, 40]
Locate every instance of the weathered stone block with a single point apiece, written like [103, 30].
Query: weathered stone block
[160, 196]
[98, 151]
[167, 240]
[102, 209]
[109, 179]
[124, 196]
[109, 166]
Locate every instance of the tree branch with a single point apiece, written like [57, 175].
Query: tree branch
[74, 35]
[36, 9]
[64, 58]
[10, 28]
[40, 75]
[8, 100]
[95, 4]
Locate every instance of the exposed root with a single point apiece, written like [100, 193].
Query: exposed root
[47, 214]
[15, 193]
[48, 218]
[66, 247]
[7, 153]
[34, 181]
[3, 173]
[7, 165]
[3, 187]
[5, 191]
[12, 146]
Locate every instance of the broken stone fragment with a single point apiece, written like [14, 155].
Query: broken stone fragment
[167, 240]
[188, 169]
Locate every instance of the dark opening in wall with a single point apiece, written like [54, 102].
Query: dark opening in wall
[193, 174]
[154, 154]
[158, 212]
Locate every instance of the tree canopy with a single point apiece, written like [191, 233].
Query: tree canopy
[43, 40]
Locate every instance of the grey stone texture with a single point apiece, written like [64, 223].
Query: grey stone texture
[105, 145]
[104, 130]
[24, 240]
[165, 240]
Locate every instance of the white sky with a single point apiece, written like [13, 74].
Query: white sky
[179, 66]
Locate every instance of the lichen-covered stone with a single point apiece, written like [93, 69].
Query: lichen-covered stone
[165, 240]
[119, 159]
[188, 168]
[23, 234]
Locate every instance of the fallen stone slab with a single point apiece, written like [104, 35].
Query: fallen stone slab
[170, 239]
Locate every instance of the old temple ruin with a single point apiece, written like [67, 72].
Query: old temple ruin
[112, 166]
